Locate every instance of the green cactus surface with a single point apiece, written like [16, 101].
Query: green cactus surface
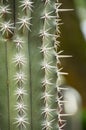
[30, 65]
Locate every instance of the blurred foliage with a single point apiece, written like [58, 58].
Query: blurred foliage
[84, 119]
[80, 3]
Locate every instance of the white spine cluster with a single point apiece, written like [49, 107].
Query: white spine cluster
[48, 65]
[20, 77]
[20, 61]
[6, 26]
[50, 50]
[4, 10]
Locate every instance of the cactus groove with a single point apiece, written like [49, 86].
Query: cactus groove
[29, 60]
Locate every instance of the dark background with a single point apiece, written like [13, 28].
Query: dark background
[73, 43]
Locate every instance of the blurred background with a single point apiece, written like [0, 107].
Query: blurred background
[73, 42]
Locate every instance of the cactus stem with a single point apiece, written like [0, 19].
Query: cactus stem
[32, 48]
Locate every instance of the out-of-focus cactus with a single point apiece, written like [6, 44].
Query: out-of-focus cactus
[29, 65]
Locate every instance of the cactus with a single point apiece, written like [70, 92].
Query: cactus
[29, 65]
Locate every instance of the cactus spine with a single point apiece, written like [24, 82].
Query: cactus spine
[29, 47]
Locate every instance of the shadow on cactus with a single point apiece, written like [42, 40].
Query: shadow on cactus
[30, 96]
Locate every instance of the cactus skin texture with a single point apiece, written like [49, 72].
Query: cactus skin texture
[29, 60]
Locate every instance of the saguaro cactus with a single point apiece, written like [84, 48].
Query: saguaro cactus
[29, 71]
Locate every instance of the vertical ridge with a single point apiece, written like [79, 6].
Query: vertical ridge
[30, 85]
[6, 56]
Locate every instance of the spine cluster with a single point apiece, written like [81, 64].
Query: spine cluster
[51, 66]
[15, 31]
[49, 63]
[20, 61]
